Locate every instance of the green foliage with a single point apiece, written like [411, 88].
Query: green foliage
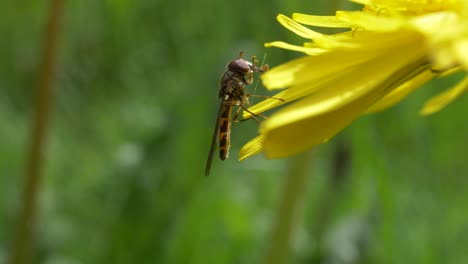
[134, 111]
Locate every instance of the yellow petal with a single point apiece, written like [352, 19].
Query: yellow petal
[461, 51]
[295, 92]
[297, 28]
[370, 21]
[322, 40]
[438, 25]
[320, 21]
[292, 138]
[440, 101]
[402, 91]
[310, 69]
[321, 115]
[251, 148]
[375, 41]
[306, 50]
[450, 71]
[363, 2]
[411, 6]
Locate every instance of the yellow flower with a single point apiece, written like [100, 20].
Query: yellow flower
[391, 48]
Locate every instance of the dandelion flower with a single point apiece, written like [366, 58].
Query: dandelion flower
[392, 47]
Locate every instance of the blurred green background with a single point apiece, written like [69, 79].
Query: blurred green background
[133, 115]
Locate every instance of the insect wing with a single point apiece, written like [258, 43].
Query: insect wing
[214, 141]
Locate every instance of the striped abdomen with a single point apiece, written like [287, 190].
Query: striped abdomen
[225, 131]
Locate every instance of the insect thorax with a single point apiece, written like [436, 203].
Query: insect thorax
[232, 85]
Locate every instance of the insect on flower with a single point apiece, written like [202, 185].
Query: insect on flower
[239, 73]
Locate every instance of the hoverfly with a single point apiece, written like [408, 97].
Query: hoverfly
[239, 73]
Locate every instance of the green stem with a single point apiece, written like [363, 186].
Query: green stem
[22, 249]
[290, 206]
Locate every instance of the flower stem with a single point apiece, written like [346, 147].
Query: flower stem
[288, 211]
[22, 250]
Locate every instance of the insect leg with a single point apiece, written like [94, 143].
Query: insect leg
[241, 106]
[264, 96]
[253, 115]
[237, 115]
[246, 102]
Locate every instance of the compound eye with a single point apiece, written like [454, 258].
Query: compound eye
[239, 65]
